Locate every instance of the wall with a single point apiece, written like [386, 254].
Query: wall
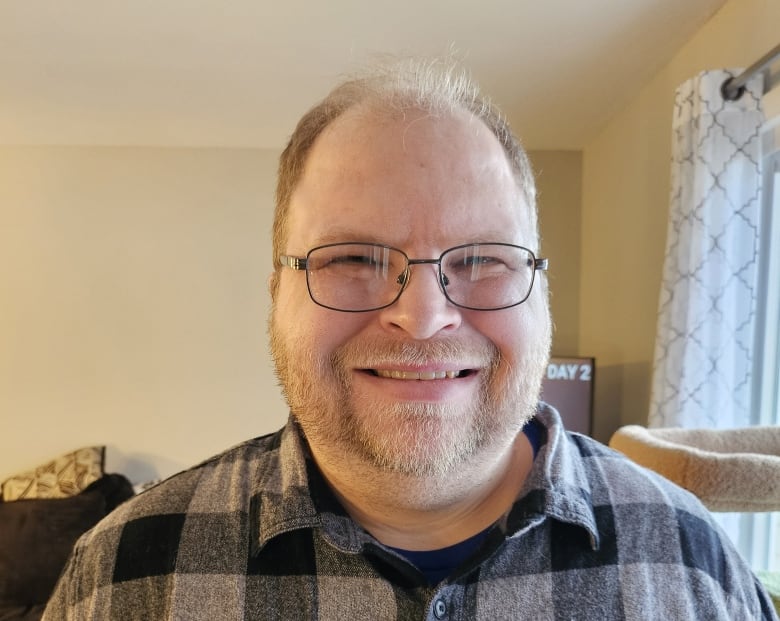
[134, 302]
[625, 202]
[559, 189]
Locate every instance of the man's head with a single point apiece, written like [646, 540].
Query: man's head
[431, 86]
[414, 159]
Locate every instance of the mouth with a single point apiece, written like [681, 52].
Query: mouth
[419, 375]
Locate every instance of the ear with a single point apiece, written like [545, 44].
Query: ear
[272, 285]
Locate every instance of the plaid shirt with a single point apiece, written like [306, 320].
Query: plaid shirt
[255, 533]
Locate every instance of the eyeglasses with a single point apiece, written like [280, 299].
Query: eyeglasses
[356, 278]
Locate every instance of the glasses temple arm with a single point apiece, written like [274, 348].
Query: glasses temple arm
[295, 263]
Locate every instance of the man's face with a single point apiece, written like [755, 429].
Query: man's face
[422, 184]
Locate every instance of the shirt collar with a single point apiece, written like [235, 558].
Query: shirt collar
[291, 494]
[558, 485]
[282, 499]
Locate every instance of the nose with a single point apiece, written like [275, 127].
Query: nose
[422, 310]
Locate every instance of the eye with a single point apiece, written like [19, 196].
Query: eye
[481, 260]
[346, 258]
[478, 263]
[353, 259]
[351, 262]
[487, 262]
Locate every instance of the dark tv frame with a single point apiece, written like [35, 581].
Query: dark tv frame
[568, 386]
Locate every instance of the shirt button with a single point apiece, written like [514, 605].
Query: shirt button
[439, 608]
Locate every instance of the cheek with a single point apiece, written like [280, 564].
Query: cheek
[294, 312]
[521, 334]
[310, 328]
[511, 340]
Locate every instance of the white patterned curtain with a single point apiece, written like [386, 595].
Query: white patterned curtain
[704, 342]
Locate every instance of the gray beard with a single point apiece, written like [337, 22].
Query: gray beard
[428, 440]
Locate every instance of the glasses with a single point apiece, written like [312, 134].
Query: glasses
[357, 278]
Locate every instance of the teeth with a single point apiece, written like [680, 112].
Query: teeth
[415, 375]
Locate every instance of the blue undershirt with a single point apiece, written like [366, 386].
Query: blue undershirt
[436, 565]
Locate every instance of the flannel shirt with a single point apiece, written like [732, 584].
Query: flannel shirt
[255, 533]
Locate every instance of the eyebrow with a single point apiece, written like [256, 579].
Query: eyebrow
[336, 236]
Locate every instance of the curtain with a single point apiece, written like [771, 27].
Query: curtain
[707, 305]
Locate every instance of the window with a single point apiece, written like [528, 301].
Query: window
[768, 350]
[762, 549]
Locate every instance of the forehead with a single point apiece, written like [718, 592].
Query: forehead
[394, 177]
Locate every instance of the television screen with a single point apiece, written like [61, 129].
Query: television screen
[568, 387]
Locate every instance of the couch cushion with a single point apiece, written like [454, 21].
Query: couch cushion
[37, 536]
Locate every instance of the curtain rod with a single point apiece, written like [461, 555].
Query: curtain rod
[733, 88]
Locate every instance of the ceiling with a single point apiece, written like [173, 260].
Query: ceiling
[239, 73]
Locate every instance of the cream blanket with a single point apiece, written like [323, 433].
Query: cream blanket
[728, 469]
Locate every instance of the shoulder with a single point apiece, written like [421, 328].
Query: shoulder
[149, 536]
[606, 477]
[654, 523]
[613, 496]
[617, 480]
[222, 483]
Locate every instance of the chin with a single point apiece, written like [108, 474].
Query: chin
[423, 439]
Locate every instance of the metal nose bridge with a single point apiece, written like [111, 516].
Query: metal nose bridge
[405, 276]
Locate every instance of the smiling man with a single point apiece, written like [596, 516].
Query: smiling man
[410, 392]
[418, 477]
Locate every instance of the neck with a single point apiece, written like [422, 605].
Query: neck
[427, 513]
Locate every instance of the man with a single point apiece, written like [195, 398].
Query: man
[418, 477]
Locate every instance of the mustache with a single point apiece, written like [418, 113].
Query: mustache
[377, 352]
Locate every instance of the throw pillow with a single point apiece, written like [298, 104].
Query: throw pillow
[64, 476]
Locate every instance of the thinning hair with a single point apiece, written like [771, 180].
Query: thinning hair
[435, 87]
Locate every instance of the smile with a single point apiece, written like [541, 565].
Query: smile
[417, 375]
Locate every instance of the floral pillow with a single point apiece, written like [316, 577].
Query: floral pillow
[65, 476]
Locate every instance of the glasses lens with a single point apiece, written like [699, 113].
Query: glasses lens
[354, 277]
[487, 276]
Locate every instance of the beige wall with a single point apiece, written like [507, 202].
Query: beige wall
[625, 201]
[133, 304]
[559, 187]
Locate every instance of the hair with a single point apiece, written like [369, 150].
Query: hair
[432, 86]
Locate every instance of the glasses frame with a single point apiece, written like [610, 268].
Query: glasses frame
[301, 263]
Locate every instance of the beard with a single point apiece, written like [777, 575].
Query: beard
[418, 439]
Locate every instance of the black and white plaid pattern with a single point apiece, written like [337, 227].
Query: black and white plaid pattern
[254, 533]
